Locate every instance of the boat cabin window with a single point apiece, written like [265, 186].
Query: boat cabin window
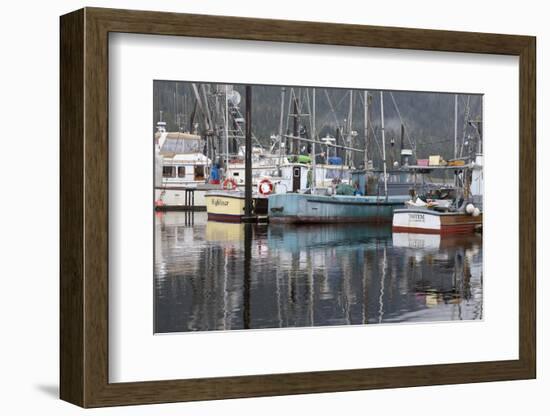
[235, 173]
[181, 171]
[168, 171]
[199, 172]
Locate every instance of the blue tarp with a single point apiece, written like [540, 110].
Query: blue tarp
[215, 173]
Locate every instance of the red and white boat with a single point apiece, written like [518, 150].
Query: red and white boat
[429, 221]
[448, 213]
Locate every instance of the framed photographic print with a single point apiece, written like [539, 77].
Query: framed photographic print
[257, 207]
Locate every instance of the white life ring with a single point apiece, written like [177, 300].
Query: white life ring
[229, 184]
[265, 187]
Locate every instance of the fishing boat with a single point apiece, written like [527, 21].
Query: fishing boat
[429, 221]
[341, 203]
[229, 206]
[180, 166]
[452, 210]
[288, 174]
[307, 208]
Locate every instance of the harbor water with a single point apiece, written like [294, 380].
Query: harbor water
[213, 276]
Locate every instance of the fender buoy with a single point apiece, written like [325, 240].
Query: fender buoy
[229, 184]
[160, 202]
[265, 187]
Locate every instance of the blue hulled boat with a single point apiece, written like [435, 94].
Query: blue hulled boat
[308, 208]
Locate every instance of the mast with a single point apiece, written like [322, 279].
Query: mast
[314, 137]
[210, 146]
[456, 126]
[226, 128]
[465, 124]
[350, 123]
[281, 118]
[248, 155]
[203, 107]
[366, 124]
[383, 143]
[295, 127]
[456, 135]
[176, 108]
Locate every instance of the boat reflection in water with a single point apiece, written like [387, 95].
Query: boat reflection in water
[219, 276]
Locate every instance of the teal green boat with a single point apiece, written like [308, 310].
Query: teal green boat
[308, 208]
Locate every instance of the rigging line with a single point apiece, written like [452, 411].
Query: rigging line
[402, 122]
[332, 110]
[342, 99]
[371, 125]
[323, 121]
[465, 124]
[290, 98]
[376, 140]
[338, 104]
[240, 130]
[311, 129]
[301, 100]
[373, 132]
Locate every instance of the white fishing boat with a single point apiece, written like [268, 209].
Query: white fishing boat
[229, 206]
[428, 221]
[180, 165]
[460, 212]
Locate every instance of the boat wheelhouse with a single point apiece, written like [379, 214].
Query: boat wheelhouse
[180, 166]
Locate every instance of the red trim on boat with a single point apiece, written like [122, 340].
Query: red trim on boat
[445, 229]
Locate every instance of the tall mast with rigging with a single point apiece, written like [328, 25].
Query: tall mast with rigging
[383, 143]
[366, 125]
[314, 137]
[281, 118]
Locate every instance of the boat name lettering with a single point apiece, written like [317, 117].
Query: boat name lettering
[217, 202]
[416, 217]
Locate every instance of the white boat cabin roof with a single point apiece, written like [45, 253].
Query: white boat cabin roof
[175, 143]
[193, 158]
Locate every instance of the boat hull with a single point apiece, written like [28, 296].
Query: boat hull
[424, 221]
[229, 206]
[310, 209]
[173, 199]
[189, 196]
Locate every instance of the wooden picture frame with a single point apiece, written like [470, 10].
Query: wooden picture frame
[84, 207]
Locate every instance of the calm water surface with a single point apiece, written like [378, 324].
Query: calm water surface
[218, 276]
